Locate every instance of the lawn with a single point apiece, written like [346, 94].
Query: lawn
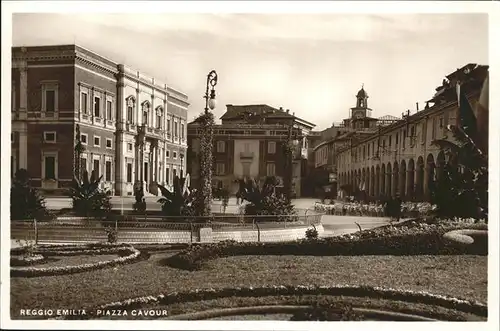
[462, 276]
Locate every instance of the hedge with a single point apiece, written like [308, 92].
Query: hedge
[426, 241]
[422, 297]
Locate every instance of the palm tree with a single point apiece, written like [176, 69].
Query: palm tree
[181, 201]
[88, 198]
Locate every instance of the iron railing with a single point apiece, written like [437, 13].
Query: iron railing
[160, 229]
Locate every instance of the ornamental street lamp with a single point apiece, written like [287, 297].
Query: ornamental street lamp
[210, 102]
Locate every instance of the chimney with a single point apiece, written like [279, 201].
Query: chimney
[281, 108]
[288, 111]
[417, 106]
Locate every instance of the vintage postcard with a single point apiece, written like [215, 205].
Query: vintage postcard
[253, 165]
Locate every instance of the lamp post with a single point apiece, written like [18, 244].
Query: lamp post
[210, 91]
[206, 145]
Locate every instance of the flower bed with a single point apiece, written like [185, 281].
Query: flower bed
[407, 238]
[26, 260]
[127, 254]
[420, 297]
[408, 209]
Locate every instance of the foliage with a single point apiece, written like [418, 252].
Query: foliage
[88, 198]
[25, 201]
[288, 149]
[207, 122]
[140, 203]
[264, 200]
[462, 188]
[312, 234]
[181, 201]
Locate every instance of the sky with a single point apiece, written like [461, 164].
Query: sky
[312, 64]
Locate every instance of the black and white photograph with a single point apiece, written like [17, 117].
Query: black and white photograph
[254, 164]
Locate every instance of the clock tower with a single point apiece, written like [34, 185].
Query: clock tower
[361, 110]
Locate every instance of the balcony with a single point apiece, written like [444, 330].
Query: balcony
[130, 127]
[246, 155]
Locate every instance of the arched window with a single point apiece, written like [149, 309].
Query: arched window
[159, 117]
[130, 109]
[145, 113]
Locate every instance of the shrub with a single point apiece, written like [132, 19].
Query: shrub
[311, 234]
[112, 234]
[25, 201]
[88, 198]
[181, 201]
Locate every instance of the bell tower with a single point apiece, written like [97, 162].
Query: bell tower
[361, 110]
[362, 98]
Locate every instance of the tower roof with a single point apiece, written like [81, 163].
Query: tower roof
[362, 93]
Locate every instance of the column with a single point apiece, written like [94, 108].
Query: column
[119, 164]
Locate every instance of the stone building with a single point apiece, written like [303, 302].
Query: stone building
[249, 144]
[400, 158]
[133, 126]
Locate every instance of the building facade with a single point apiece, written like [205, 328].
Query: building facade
[400, 158]
[249, 144]
[133, 127]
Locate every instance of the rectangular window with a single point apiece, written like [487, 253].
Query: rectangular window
[168, 125]
[84, 139]
[397, 139]
[109, 110]
[84, 103]
[107, 173]
[96, 168]
[176, 133]
[424, 131]
[174, 173]
[390, 141]
[50, 167]
[83, 165]
[175, 154]
[220, 169]
[49, 137]
[97, 107]
[109, 143]
[97, 141]
[271, 147]
[129, 172]
[129, 147]
[271, 169]
[50, 101]
[168, 153]
[167, 176]
[221, 147]
[130, 114]
[182, 131]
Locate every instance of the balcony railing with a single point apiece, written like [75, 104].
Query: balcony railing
[246, 155]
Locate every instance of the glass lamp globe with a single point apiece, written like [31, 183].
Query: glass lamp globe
[295, 142]
[212, 103]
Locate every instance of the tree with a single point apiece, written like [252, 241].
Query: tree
[462, 189]
[25, 201]
[88, 198]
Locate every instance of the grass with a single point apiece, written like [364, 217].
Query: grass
[460, 276]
